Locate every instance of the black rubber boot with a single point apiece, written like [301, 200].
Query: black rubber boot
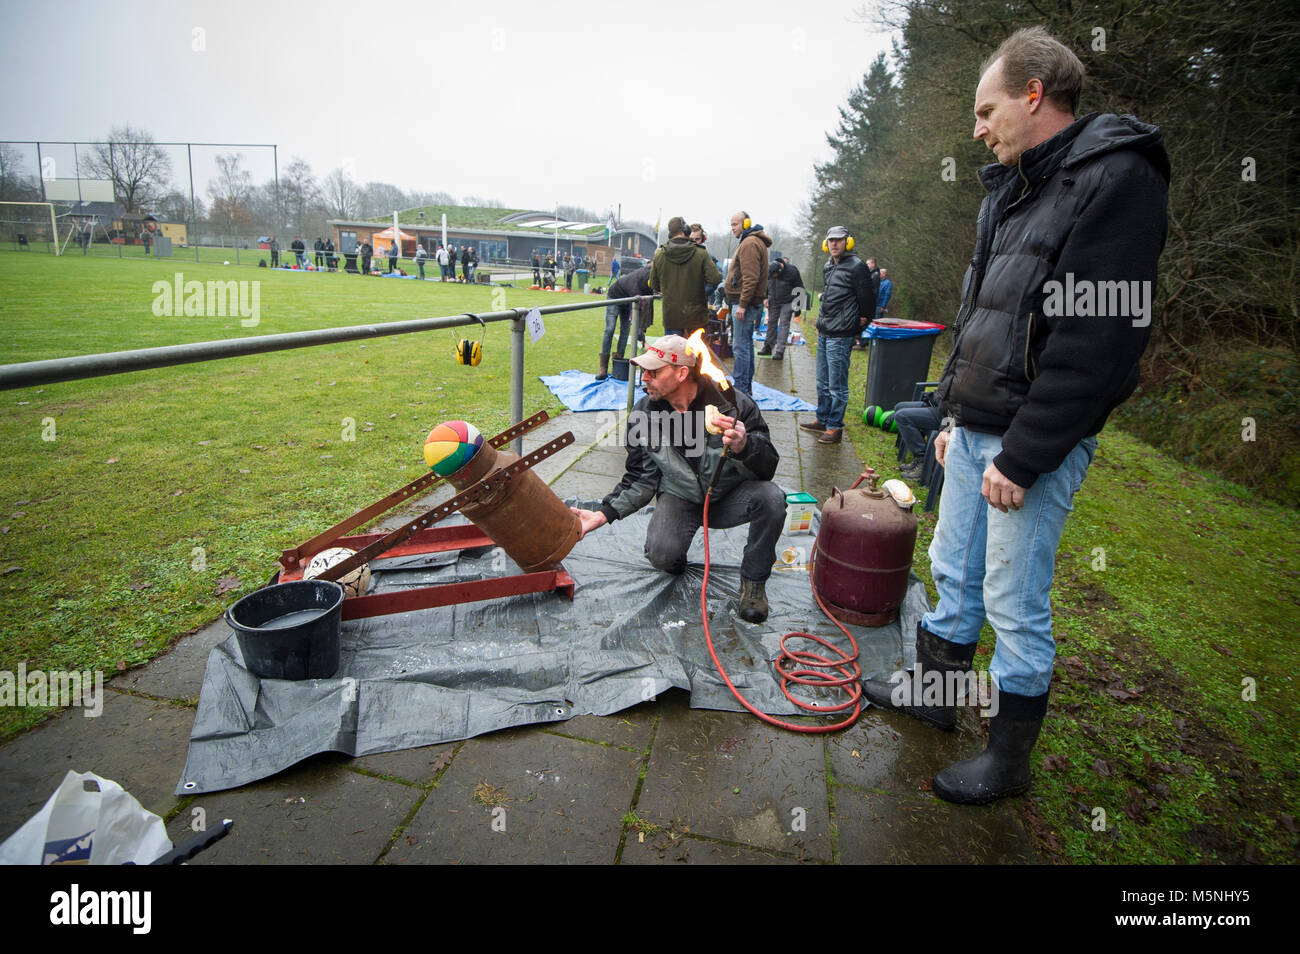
[604, 367]
[1002, 769]
[933, 655]
[753, 601]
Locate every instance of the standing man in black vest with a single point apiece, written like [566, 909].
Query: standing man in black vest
[1077, 204]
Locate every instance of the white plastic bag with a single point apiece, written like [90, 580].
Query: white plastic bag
[97, 824]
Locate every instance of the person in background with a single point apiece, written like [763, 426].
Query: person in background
[916, 420]
[629, 286]
[681, 271]
[394, 251]
[420, 256]
[319, 248]
[884, 294]
[785, 297]
[848, 302]
[746, 287]
[275, 252]
[863, 341]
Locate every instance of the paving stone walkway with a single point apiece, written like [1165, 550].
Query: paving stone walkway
[659, 783]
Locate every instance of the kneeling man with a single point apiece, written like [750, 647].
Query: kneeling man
[671, 453]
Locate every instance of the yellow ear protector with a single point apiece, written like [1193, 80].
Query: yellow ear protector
[848, 246]
[748, 223]
[468, 351]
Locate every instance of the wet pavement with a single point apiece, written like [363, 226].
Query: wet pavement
[659, 783]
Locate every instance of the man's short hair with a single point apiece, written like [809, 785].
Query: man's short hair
[1033, 53]
[676, 226]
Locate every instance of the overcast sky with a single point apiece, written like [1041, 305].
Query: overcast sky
[697, 108]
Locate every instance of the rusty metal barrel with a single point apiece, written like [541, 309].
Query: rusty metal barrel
[524, 517]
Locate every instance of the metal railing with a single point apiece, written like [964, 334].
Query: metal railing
[78, 367]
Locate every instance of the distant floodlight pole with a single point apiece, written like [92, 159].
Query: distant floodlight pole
[556, 252]
[444, 230]
[396, 240]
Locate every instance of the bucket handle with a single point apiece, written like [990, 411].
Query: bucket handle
[836, 490]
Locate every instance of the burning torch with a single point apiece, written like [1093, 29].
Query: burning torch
[710, 368]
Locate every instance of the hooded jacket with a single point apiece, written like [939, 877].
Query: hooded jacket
[1056, 304]
[680, 271]
[782, 279]
[746, 281]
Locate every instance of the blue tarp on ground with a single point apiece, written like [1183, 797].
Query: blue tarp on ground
[580, 391]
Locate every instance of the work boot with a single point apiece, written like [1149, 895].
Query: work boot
[832, 436]
[933, 655]
[778, 355]
[1003, 768]
[763, 352]
[604, 367]
[753, 601]
[813, 425]
[910, 471]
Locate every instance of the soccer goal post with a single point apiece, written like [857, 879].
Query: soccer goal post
[29, 225]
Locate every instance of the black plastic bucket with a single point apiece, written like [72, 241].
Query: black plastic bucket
[290, 630]
[620, 369]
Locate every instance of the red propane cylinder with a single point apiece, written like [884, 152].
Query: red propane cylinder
[863, 554]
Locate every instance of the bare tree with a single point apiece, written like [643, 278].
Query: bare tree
[300, 195]
[231, 191]
[15, 184]
[381, 199]
[139, 169]
[341, 195]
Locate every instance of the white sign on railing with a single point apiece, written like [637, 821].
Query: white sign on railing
[536, 326]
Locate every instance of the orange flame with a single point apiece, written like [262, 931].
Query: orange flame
[708, 365]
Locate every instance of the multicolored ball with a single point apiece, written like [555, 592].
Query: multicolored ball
[450, 445]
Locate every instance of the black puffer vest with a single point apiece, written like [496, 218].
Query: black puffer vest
[1025, 238]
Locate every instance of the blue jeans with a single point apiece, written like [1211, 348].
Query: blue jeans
[833, 357]
[742, 344]
[999, 566]
[622, 314]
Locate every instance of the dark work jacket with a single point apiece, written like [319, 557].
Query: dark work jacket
[654, 467]
[847, 297]
[1085, 209]
[782, 280]
[633, 283]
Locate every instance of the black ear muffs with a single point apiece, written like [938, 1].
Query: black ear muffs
[469, 351]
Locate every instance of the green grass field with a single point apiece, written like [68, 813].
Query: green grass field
[165, 495]
[128, 500]
[1172, 731]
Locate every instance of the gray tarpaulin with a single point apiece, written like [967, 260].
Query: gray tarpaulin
[450, 673]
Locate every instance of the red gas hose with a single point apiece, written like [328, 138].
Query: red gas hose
[814, 668]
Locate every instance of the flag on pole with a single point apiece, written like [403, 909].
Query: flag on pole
[609, 227]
